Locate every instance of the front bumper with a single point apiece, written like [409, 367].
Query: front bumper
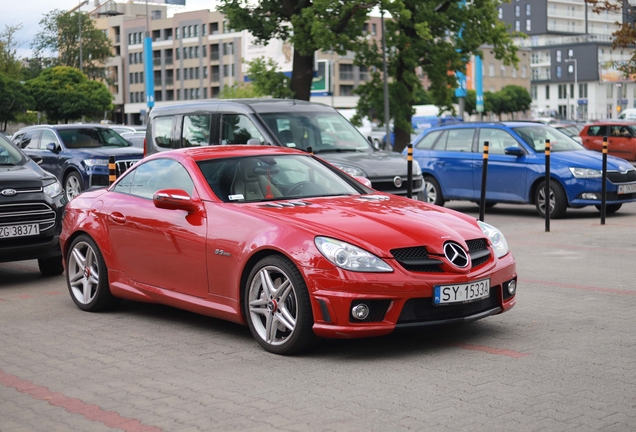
[401, 300]
[20, 249]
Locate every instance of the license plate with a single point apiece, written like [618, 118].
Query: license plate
[627, 188]
[19, 230]
[461, 293]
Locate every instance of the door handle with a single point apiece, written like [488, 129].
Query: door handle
[118, 218]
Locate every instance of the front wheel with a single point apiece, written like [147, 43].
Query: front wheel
[558, 200]
[610, 208]
[87, 276]
[433, 191]
[277, 307]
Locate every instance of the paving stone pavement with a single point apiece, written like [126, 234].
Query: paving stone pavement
[563, 359]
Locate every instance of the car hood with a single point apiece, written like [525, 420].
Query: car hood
[105, 152]
[377, 225]
[590, 159]
[375, 164]
[21, 176]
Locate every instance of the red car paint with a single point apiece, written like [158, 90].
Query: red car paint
[198, 261]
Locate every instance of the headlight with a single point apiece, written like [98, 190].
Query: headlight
[349, 257]
[417, 170]
[95, 162]
[53, 189]
[352, 171]
[496, 238]
[585, 173]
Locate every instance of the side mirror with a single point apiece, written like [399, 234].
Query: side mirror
[253, 141]
[36, 158]
[365, 181]
[514, 151]
[53, 148]
[174, 199]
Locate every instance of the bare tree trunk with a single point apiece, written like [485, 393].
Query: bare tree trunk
[302, 76]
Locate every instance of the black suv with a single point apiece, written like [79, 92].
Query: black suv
[31, 205]
[289, 123]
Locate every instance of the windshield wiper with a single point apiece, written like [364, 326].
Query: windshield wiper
[336, 150]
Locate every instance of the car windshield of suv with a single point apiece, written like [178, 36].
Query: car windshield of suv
[91, 137]
[535, 136]
[274, 177]
[324, 132]
[9, 154]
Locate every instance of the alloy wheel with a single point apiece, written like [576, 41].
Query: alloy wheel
[83, 273]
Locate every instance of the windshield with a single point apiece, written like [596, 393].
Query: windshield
[324, 132]
[91, 137]
[536, 135]
[277, 177]
[9, 154]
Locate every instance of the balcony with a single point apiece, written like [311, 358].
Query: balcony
[169, 81]
[346, 76]
[168, 61]
[543, 60]
[214, 56]
[565, 28]
[156, 61]
[215, 77]
[569, 14]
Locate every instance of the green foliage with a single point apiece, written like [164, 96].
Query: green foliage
[60, 34]
[64, 93]
[267, 81]
[307, 25]
[238, 91]
[419, 37]
[510, 99]
[14, 99]
[470, 102]
[10, 65]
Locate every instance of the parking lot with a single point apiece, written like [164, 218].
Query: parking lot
[564, 358]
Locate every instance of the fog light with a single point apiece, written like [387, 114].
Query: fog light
[590, 196]
[360, 311]
[512, 287]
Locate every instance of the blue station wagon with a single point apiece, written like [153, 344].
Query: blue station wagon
[451, 158]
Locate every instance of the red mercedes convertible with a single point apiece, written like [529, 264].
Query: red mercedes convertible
[284, 242]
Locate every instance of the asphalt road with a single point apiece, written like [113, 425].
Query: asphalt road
[563, 359]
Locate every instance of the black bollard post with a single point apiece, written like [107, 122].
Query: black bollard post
[604, 183]
[112, 170]
[484, 177]
[409, 171]
[546, 192]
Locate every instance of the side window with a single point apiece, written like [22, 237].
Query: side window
[160, 174]
[237, 129]
[31, 140]
[596, 130]
[620, 131]
[195, 131]
[48, 137]
[162, 131]
[18, 139]
[426, 143]
[498, 141]
[460, 140]
[123, 185]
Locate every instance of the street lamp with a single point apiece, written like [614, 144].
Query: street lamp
[576, 78]
[79, 25]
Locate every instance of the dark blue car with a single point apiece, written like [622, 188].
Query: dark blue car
[77, 154]
[451, 158]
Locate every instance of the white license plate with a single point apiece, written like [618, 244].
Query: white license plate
[19, 230]
[461, 293]
[627, 188]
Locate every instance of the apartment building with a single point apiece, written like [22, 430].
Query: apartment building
[574, 70]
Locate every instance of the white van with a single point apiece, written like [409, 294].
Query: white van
[628, 114]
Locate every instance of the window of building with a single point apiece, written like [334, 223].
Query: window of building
[228, 48]
[346, 72]
[365, 28]
[570, 53]
[225, 71]
[190, 31]
[514, 72]
[177, 53]
[524, 71]
[563, 91]
[346, 90]
[533, 92]
[517, 25]
[491, 70]
[177, 33]
[214, 28]
[583, 90]
[178, 74]
[500, 13]
[374, 29]
[502, 69]
[558, 71]
[205, 71]
[528, 9]
[517, 10]
[558, 56]
[528, 25]
[547, 92]
[196, 31]
[204, 51]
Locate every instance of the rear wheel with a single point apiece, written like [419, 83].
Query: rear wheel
[277, 307]
[87, 276]
[558, 200]
[433, 191]
[611, 208]
[51, 266]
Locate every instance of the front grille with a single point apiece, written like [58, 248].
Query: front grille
[122, 165]
[617, 178]
[377, 310]
[389, 186]
[416, 259]
[478, 250]
[12, 214]
[422, 310]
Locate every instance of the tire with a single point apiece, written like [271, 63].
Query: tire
[277, 307]
[72, 185]
[558, 200]
[51, 266]
[433, 191]
[87, 276]
[610, 209]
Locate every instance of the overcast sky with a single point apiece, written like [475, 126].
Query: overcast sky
[30, 12]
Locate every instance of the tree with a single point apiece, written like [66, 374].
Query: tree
[309, 25]
[625, 36]
[9, 64]
[517, 99]
[60, 35]
[267, 81]
[14, 99]
[470, 103]
[64, 93]
[238, 91]
[419, 35]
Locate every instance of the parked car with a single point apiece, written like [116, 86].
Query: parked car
[570, 129]
[621, 138]
[77, 154]
[122, 129]
[282, 241]
[135, 138]
[451, 160]
[31, 206]
[628, 114]
[288, 123]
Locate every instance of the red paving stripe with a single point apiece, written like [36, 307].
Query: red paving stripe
[580, 287]
[25, 296]
[490, 350]
[76, 406]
